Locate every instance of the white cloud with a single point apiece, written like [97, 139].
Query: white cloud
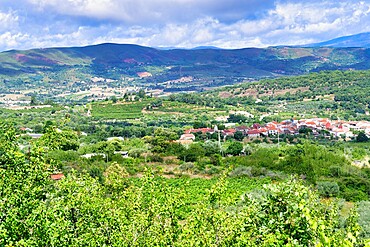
[10, 40]
[182, 23]
[160, 11]
[8, 21]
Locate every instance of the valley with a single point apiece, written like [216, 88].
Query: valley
[188, 143]
[51, 73]
[218, 123]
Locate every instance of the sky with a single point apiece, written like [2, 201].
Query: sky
[26, 24]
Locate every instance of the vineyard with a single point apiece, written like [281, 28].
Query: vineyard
[127, 110]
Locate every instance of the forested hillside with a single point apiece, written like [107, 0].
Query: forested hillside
[333, 94]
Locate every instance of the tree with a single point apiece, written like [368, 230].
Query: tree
[156, 103]
[239, 136]
[78, 210]
[114, 99]
[141, 93]
[191, 154]
[161, 139]
[24, 183]
[237, 118]
[174, 148]
[115, 176]
[33, 100]
[328, 189]
[362, 137]
[106, 148]
[198, 124]
[211, 147]
[305, 130]
[290, 214]
[364, 218]
[55, 139]
[235, 148]
[47, 125]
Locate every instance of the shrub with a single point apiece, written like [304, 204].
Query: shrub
[328, 189]
[334, 171]
[186, 166]
[242, 171]
[155, 158]
[363, 209]
[212, 170]
[291, 214]
[362, 137]
[96, 172]
[61, 155]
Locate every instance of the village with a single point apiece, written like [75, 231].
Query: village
[345, 130]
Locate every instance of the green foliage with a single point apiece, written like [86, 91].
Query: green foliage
[354, 188]
[328, 189]
[358, 153]
[161, 139]
[9, 151]
[100, 206]
[33, 100]
[115, 178]
[362, 137]
[211, 147]
[291, 214]
[237, 118]
[55, 139]
[192, 153]
[235, 148]
[81, 211]
[127, 110]
[174, 148]
[310, 161]
[305, 131]
[24, 184]
[363, 209]
[239, 136]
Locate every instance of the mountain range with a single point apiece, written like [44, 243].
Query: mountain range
[116, 61]
[357, 40]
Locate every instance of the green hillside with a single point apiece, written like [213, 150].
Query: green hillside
[206, 67]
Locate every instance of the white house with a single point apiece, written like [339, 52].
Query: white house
[88, 156]
[187, 137]
[118, 138]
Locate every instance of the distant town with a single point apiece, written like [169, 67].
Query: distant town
[316, 126]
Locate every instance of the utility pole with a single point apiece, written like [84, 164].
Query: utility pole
[219, 139]
[277, 132]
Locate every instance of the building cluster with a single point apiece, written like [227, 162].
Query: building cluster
[316, 126]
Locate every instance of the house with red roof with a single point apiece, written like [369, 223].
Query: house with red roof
[57, 176]
[272, 129]
[256, 126]
[253, 133]
[202, 130]
[228, 132]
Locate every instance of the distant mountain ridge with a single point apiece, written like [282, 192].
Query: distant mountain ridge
[208, 65]
[279, 60]
[357, 40]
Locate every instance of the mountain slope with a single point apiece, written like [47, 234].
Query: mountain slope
[272, 60]
[357, 40]
[206, 67]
